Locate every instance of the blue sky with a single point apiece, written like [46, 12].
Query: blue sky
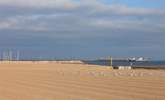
[83, 28]
[138, 3]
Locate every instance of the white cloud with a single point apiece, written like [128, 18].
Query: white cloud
[85, 15]
[38, 3]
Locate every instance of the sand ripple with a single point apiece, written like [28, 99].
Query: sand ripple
[52, 81]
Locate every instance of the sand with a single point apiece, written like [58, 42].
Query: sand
[54, 81]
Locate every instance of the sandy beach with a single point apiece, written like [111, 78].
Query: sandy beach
[55, 81]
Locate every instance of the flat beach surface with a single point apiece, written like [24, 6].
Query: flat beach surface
[53, 81]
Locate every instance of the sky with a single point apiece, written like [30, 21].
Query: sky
[83, 29]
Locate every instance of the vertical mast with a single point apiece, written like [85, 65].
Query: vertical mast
[17, 56]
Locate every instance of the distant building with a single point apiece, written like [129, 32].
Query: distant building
[141, 59]
[122, 67]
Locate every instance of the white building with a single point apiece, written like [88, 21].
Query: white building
[140, 59]
[124, 67]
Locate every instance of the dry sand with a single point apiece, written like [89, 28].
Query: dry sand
[52, 81]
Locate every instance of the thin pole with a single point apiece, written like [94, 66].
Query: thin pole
[3, 55]
[10, 55]
[111, 61]
[17, 58]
